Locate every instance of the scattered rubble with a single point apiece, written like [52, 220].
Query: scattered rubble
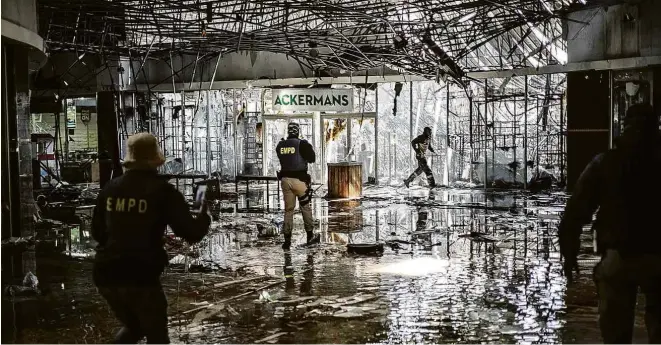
[29, 287]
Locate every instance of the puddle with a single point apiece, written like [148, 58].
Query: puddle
[458, 266]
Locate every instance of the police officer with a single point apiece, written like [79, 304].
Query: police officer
[624, 184]
[128, 223]
[420, 145]
[295, 154]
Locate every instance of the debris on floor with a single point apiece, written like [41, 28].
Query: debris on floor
[455, 259]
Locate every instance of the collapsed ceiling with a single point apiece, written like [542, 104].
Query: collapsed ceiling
[431, 38]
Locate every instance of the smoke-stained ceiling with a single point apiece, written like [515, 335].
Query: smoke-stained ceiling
[431, 38]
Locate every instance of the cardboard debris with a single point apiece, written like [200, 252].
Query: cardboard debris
[232, 311]
[349, 314]
[271, 337]
[206, 312]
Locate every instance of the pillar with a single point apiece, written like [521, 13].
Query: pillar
[588, 120]
[18, 203]
[10, 193]
[109, 160]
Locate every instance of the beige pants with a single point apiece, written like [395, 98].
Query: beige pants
[291, 189]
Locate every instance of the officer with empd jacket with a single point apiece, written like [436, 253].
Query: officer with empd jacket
[295, 154]
[622, 185]
[129, 222]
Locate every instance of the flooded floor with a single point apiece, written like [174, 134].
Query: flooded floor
[459, 266]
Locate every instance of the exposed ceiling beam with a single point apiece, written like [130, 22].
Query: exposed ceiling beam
[615, 64]
[241, 84]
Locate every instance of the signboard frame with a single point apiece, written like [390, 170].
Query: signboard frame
[310, 100]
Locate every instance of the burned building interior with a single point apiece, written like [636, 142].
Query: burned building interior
[517, 96]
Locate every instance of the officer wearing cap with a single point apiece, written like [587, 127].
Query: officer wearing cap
[295, 154]
[129, 221]
[624, 185]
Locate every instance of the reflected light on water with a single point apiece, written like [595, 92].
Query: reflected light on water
[414, 267]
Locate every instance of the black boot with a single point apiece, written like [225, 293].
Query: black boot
[431, 181]
[312, 238]
[287, 243]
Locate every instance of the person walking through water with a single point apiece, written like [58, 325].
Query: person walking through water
[420, 145]
[624, 184]
[295, 154]
[129, 222]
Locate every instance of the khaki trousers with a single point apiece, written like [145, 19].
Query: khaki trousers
[292, 188]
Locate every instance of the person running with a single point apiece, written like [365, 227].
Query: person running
[420, 145]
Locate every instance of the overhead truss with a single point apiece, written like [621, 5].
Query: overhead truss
[430, 38]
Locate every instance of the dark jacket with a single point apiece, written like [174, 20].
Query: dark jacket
[421, 143]
[624, 185]
[129, 223]
[294, 163]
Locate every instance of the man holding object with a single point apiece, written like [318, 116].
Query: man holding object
[129, 223]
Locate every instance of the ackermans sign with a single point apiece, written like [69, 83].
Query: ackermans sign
[313, 100]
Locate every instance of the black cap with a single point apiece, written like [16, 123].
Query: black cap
[293, 129]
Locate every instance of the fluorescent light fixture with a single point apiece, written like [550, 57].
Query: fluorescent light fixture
[467, 17]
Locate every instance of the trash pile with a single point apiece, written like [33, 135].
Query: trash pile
[89, 192]
[18, 241]
[29, 287]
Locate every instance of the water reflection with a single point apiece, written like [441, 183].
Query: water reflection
[467, 267]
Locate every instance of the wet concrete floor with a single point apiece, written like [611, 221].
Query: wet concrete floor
[460, 266]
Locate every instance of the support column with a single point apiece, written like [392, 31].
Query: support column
[588, 126]
[11, 199]
[110, 166]
[208, 138]
[376, 137]
[20, 206]
[411, 155]
[318, 121]
[486, 111]
[562, 137]
[525, 134]
[23, 123]
[470, 138]
[516, 147]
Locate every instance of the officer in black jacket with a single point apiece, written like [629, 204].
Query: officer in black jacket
[129, 223]
[295, 154]
[420, 145]
[624, 184]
